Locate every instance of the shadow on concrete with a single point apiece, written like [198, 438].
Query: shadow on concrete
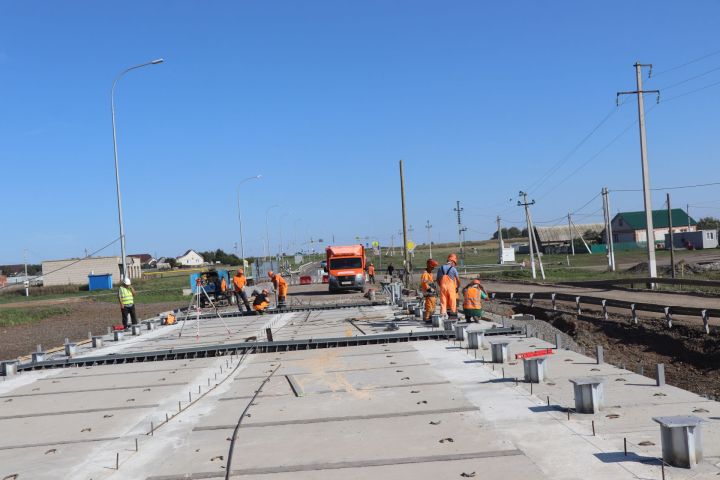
[500, 380]
[619, 457]
[642, 384]
[548, 408]
[476, 361]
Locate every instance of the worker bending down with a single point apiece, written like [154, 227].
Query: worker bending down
[448, 281]
[429, 289]
[474, 294]
[261, 301]
[239, 282]
[280, 287]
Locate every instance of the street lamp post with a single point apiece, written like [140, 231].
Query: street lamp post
[267, 229]
[242, 247]
[123, 273]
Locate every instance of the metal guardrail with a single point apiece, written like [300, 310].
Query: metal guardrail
[634, 307]
[647, 280]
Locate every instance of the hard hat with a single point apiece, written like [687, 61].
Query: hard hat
[126, 281]
[452, 258]
[371, 264]
[476, 281]
[271, 274]
[432, 263]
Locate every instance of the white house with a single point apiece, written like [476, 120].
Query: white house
[190, 259]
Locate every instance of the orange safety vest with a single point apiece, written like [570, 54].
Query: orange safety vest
[279, 281]
[425, 280]
[371, 270]
[239, 281]
[473, 298]
[223, 285]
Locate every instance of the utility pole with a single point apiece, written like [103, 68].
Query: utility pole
[687, 210]
[500, 240]
[461, 229]
[27, 282]
[406, 259]
[672, 243]
[537, 244]
[572, 237]
[525, 204]
[429, 229]
[608, 229]
[652, 265]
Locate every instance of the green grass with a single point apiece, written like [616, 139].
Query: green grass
[19, 316]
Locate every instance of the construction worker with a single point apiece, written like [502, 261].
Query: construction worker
[261, 301]
[371, 273]
[390, 270]
[473, 294]
[429, 289]
[280, 287]
[126, 296]
[239, 282]
[448, 280]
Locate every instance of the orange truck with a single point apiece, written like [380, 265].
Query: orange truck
[345, 267]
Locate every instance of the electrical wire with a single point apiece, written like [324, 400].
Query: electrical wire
[694, 77]
[667, 188]
[665, 100]
[69, 264]
[689, 62]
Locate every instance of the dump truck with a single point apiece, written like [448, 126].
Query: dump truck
[345, 267]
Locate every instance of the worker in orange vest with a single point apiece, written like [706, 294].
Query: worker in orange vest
[239, 282]
[261, 301]
[474, 294]
[371, 273]
[429, 289]
[448, 280]
[280, 287]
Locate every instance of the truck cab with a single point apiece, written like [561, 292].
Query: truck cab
[345, 267]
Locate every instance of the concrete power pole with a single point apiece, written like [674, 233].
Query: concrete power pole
[608, 229]
[525, 204]
[27, 282]
[461, 229]
[429, 229]
[652, 265]
[572, 237]
[406, 259]
[501, 245]
[670, 231]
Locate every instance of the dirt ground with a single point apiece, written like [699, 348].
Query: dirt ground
[691, 358]
[82, 317]
[86, 315]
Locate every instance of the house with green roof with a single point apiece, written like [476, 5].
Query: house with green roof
[631, 226]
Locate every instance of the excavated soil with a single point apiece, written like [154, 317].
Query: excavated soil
[81, 318]
[691, 357]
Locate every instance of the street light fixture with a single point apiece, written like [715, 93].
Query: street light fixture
[242, 248]
[123, 273]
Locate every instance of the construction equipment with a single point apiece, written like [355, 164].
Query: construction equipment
[211, 282]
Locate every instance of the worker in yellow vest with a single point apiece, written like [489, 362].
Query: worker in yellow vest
[429, 289]
[473, 294]
[126, 296]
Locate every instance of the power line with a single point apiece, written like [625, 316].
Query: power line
[699, 89]
[669, 188]
[694, 77]
[69, 264]
[689, 62]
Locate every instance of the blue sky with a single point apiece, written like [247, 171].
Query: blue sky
[479, 98]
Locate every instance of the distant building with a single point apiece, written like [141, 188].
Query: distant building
[75, 271]
[630, 226]
[557, 239]
[146, 260]
[190, 259]
[3, 281]
[698, 239]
